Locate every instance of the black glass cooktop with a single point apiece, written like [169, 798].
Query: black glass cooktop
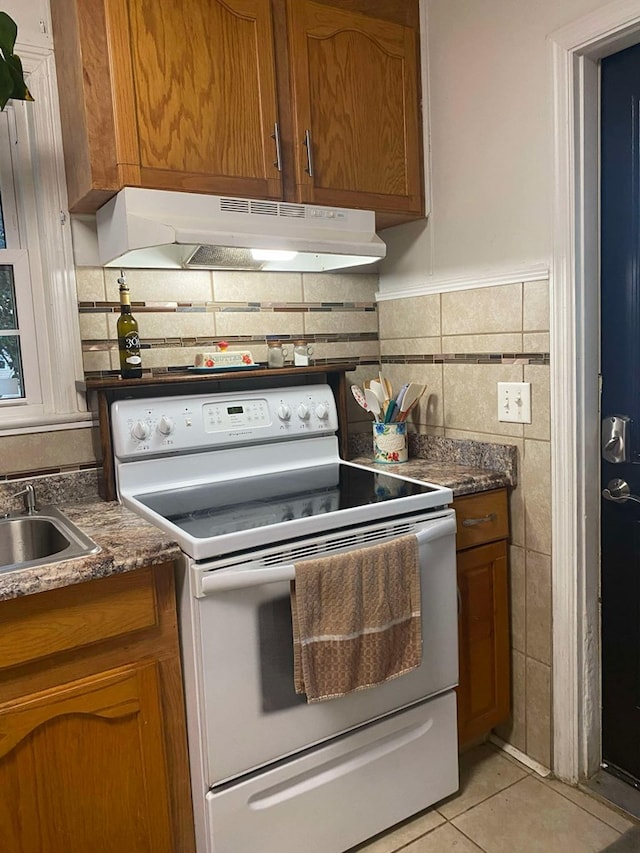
[244, 504]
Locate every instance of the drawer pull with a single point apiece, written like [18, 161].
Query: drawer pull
[471, 522]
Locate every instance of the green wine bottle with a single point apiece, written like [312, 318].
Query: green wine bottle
[128, 337]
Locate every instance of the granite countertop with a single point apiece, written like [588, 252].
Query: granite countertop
[465, 467]
[127, 542]
[461, 479]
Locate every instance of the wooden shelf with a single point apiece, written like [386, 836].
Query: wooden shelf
[112, 383]
[104, 390]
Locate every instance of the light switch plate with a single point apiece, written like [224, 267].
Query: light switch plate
[514, 402]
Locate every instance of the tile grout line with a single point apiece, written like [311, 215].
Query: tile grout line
[603, 804]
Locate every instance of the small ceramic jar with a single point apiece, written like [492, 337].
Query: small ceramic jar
[302, 353]
[276, 354]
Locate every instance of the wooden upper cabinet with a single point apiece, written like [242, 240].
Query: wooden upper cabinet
[205, 94]
[277, 99]
[178, 96]
[354, 80]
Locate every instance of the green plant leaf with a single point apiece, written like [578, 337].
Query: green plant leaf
[12, 84]
[8, 34]
[6, 84]
[20, 91]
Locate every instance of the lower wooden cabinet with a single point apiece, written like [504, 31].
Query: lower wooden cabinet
[484, 688]
[92, 739]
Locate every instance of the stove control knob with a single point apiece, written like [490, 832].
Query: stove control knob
[140, 430]
[303, 412]
[322, 412]
[165, 425]
[284, 412]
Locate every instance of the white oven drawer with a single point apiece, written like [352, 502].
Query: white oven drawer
[239, 651]
[309, 804]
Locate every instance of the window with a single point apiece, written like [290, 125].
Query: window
[11, 372]
[40, 352]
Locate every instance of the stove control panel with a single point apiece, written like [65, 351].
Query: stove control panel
[163, 425]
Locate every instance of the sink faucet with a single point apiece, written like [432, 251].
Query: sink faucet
[29, 495]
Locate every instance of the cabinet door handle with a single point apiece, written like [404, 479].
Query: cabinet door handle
[471, 522]
[276, 137]
[307, 142]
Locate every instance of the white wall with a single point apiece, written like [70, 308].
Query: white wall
[491, 153]
[33, 20]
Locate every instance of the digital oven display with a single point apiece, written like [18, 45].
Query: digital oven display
[225, 415]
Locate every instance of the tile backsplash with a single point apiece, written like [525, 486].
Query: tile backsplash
[182, 312]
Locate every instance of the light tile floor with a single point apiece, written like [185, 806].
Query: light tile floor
[504, 807]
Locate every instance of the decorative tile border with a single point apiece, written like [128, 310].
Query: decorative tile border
[300, 307]
[540, 358]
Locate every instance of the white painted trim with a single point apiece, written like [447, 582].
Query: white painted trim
[574, 320]
[63, 422]
[469, 281]
[522, 757]
[54, 244]
[45, 232]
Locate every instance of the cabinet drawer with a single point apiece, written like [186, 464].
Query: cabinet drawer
[37, 626]
[481, 518]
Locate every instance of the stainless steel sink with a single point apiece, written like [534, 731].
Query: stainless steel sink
[44, 536]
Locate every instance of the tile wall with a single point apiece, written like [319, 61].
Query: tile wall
[462, 344]
[182, 312]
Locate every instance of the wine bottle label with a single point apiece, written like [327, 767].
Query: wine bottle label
[132, 341]
[133, 359]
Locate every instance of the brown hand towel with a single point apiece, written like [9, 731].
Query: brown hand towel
[356, 619]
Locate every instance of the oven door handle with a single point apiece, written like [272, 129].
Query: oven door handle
[225, 580]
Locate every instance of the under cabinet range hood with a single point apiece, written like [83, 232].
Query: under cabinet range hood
[178, 230]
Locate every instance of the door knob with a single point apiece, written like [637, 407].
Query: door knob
[618, 491]
[615, 438]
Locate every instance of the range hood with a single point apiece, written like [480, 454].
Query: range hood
[179, 230]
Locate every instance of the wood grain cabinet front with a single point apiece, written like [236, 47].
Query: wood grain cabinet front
[484, 690]
[355, 110]
[92, 731]
[272, 99]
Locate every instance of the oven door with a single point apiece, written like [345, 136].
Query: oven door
[239, 651]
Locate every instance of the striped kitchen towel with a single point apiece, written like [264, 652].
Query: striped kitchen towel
[356, 618]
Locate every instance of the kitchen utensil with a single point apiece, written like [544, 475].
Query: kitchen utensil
[378, 390]
[359, 397]
[400, 396]
[411, 397]
[372, 402]
[390, 411]
[386, 386]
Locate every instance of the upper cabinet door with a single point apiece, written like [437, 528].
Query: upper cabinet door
[171, 95]
[355, 110]
[197, 81]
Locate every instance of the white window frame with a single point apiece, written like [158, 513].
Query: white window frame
[51, 347]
